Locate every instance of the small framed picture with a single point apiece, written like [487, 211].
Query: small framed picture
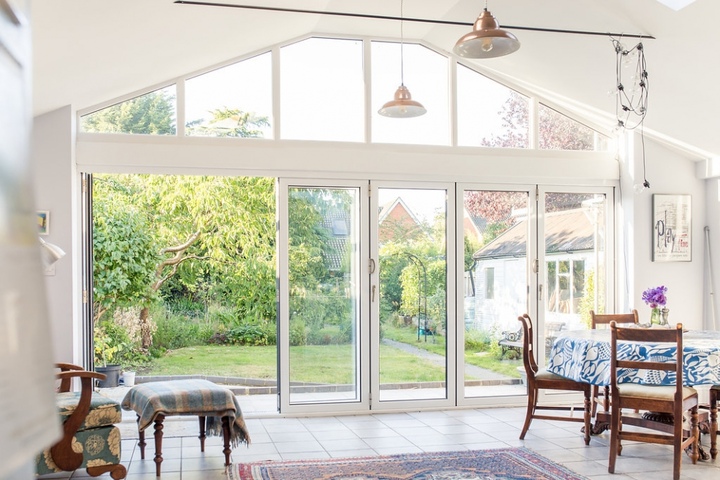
[43, 222]
[672, 228]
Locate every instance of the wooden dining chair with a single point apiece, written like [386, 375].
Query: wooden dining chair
[603, 320]
[714, 396]
[538, 379]
[671, 399]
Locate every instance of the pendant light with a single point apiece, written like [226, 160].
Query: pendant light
[487, 39]
[402, 105]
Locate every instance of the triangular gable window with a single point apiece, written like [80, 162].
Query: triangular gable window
[560, 132]
[151, 114]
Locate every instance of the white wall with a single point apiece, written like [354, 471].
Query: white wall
[711, 250]
[52, 159]
[668, 172]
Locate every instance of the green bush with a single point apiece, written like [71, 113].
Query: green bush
[298, 334]
[252, 334]
[177, 331]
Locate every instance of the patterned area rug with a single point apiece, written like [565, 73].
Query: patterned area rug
[505, 464]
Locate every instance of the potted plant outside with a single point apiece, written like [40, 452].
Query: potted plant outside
[105, 352]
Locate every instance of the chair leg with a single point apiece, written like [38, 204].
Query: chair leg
[117, 472]
[614, 439]
[714, 392]
[532, 401]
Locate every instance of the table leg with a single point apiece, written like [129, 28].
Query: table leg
[141, 442]
[202, 432]
[226, 439]
[158, 442]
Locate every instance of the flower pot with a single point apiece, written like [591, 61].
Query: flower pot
[112, 376]
[128, 379]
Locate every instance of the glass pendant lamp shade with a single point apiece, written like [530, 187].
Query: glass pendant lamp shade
[487, 39]
[402, 106]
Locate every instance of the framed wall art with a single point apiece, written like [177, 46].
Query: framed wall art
[672, 224]
[43, 222]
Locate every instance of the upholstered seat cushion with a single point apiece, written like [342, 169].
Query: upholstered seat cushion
[652, 392]
[543, 374]
[99, 446]
[104, 411]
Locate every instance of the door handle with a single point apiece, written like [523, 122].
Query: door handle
[372, 295]
[540, 292]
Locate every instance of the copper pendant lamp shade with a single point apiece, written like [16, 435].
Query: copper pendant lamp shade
[402, 106]
[487, 39]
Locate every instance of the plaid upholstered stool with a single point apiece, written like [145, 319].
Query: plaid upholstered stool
[216, 407]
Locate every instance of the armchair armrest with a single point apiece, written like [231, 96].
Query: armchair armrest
[65, 382]
[63, 454]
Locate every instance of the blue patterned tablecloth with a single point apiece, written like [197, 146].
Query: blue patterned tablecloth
[584, 356]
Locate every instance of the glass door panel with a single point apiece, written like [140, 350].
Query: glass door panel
[497, 241]
[321, 326]
[575, 230]
[412, 343]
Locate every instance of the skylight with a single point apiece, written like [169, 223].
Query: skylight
[676, 4]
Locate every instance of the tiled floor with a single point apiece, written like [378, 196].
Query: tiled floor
[278, 438]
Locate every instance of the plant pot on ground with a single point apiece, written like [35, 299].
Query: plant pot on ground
[112, 375]
[105, 351]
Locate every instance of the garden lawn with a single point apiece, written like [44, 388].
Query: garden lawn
[317, 363]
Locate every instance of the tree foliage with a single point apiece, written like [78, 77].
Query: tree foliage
[151, 114]
[124, 248]
[229, 122]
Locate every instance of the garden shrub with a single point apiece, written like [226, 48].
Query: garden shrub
[298, 335]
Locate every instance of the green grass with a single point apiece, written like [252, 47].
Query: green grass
[331, 364]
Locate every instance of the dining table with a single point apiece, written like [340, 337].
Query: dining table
[584, 356]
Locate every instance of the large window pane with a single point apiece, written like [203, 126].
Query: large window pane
[490, 114]
[322, 90]
[426, 76]
[233, 101]
[149, 114]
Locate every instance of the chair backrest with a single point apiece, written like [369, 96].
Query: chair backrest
[605, 318]
[528, 356]
[647, 335]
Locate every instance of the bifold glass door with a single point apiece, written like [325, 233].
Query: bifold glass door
[323, 285]
[412, 321]
[399, 295]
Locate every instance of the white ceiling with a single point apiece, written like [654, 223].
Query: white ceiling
[90, 51]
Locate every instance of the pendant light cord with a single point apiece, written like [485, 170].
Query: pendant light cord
[402, 37]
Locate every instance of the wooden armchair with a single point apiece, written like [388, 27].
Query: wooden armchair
[543, 380]
[90, 438]
[674, 400]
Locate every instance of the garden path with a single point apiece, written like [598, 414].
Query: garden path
[470, 370]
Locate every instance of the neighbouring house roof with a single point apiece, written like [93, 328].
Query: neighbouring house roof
[337, 223]
[395, 219]
[566, 231]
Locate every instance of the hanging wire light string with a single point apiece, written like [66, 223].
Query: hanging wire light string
[632, 98]
[631, 103]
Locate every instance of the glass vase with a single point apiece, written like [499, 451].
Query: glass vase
[655, 317]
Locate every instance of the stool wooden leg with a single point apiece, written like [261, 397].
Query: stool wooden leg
[714, 393]
[226, 439]
[158, 442]
[202, 433]
[141, 441]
